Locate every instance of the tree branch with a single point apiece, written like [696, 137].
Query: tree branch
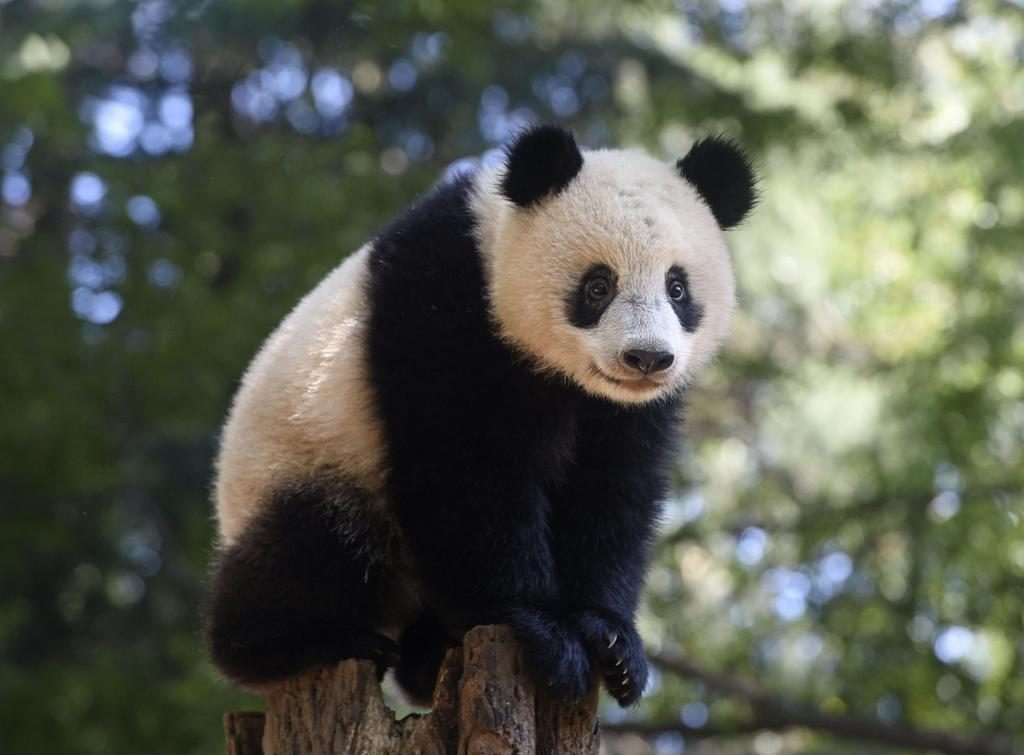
[777, 712]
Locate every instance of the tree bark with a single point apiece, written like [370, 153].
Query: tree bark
[244, 732]
[485, 703]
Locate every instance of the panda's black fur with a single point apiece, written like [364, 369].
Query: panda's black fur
[284, 596]
[519, 498]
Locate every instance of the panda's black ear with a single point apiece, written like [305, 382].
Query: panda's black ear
[540, 162]
[724, 176]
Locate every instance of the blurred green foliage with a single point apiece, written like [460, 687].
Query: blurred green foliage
[176, 175]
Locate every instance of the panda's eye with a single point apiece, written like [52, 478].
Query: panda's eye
[676, 290]
[591, 296]
[598, 289]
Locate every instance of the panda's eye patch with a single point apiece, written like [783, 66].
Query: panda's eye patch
[592, 296]
[688, 310]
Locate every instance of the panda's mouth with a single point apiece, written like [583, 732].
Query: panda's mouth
[639, 385]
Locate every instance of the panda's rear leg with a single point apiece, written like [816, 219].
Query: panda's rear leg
[253, 660]
[304, 586]
[421, 648]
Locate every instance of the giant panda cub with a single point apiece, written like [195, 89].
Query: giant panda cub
[471, 421]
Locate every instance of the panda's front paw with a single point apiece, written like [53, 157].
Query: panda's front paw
[617, 652]
[553, 653]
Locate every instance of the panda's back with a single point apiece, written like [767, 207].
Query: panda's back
[305, 407]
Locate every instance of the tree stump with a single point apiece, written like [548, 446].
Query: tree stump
[484, 704]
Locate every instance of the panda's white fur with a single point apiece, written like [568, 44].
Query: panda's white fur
[305, 403]
[634, 213]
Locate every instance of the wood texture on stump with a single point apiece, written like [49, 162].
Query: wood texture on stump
[563, 727]
[244, 733]
[485, 703]
[496, 696]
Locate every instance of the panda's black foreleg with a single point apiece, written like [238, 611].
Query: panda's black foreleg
[602, 556]
[482, 557]
[604, 520]
[305, 585]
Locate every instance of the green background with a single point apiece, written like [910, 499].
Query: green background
[846, 528]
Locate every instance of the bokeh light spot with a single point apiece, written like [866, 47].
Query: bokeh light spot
[87, 192]
[101, 308]
[15, 189]
[332, 92]
[143, 211]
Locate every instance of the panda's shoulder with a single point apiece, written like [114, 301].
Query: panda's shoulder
[434, 237]
[427, 289]
[426, 283]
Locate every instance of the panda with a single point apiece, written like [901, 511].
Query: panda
[471, 421]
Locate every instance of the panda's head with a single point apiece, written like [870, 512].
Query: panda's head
[610, 267]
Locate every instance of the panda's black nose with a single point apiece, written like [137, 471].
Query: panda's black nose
[647, 362]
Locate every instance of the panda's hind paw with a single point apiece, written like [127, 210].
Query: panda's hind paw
[368, 645]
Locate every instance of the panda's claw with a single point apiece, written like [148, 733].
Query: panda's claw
[617, 652]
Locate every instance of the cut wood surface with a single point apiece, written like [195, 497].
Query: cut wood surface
[485, 703]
